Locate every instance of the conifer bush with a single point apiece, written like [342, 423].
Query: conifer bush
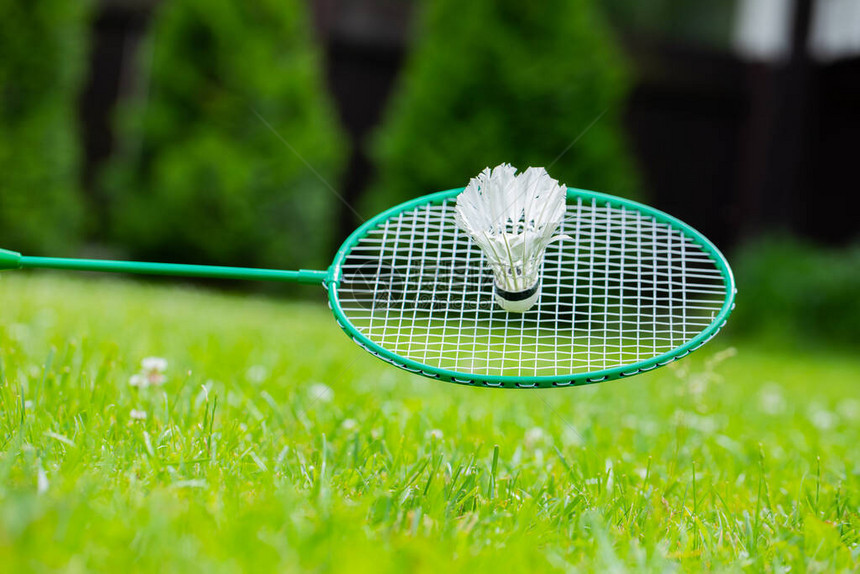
[492, 81]
[43, 52]
[214, 153]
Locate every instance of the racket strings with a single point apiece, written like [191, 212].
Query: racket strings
[623, 289]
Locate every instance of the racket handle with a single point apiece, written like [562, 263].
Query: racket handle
[13, 260]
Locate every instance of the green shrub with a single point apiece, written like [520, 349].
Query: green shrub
[798, 290]
[494, 81]
[213, 161]
[43, 49]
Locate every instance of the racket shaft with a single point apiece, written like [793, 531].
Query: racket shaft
[173, 269]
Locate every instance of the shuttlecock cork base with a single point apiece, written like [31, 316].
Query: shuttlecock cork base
[513, 218]
[517, 301]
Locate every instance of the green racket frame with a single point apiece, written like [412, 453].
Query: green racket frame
[532, 382]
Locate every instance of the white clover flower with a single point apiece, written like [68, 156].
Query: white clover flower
[138, 380]
[137, 415]
[771, 399]
[153, 369]
[822, 418]
[321, 392]
[157, 364]
[349, 424]
[436, 434]
[534, 436]
[257, 373]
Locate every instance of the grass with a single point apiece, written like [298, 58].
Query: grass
[278, 445]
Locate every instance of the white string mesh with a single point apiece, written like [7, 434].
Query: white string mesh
[623, 289]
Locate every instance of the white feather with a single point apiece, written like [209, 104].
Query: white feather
[512, 218]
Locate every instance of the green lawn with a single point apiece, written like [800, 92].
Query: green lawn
[276, 444]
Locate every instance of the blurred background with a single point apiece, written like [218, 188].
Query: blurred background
[261, 132]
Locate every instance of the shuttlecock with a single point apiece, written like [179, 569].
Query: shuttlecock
[513, 218]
